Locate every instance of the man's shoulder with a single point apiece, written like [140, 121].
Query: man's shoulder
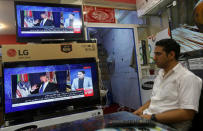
[88, 78]
[75, 79]
[49, 21]
[188, 75]
[51, 84]
[182, 70]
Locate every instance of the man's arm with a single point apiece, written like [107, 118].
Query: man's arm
[66, 23]
[54, 87]
[142, 108]
[173, 116]
[34, 89]
[90, 83]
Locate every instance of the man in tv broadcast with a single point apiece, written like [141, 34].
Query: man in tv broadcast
[44, 87]
[82, 82]
[44, 21]
[69, 21]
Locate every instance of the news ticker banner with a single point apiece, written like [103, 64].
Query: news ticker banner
[30, 52]
[51, 97]
[99, 14]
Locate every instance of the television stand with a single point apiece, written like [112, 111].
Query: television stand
[59, 113]
[54, 120]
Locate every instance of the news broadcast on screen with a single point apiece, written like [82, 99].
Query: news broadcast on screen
[34, 86]
[35, 20]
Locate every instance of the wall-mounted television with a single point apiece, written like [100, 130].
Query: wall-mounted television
[46, 22]
[32, 88]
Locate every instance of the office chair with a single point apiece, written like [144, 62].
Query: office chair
[197, 124]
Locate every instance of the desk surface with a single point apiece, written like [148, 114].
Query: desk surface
[96, 123]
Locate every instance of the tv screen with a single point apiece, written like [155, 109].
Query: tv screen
[37, 85]
[43, 22]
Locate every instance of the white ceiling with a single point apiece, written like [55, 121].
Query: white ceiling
[7, 16]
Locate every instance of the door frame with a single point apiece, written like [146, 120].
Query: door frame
[136, 41]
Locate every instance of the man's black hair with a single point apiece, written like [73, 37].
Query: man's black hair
[43, 74]
[169, 45]
[72, 14]
[82, 72]
[43, 12]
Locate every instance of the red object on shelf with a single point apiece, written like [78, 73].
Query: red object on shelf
[99, 14]
[151, 71]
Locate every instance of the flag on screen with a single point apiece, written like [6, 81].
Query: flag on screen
[50, 15]
[28, 18]
[28, 13]
[52, 76]
[68, 81]
[22, 77]
[23, 86]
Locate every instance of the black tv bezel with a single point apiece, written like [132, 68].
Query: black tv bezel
[58, 106]
[53, 37]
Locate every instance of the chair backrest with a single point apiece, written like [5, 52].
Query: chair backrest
[197, 124]
[198, 119]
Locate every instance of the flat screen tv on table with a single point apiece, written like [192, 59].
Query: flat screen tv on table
[33, 88]
[45, 22]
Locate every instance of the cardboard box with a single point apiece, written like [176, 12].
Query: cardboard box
[30, 52]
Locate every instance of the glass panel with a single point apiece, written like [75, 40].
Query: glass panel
[128, 17]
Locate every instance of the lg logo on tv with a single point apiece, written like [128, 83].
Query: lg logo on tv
[23, 52]
[13, 52]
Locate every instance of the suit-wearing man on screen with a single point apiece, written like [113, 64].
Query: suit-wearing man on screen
[44, 87]
[82, 82]
[44, 21]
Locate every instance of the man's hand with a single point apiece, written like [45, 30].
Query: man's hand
[36, 21]
[34, 87]
[146, 116]
[138, 112]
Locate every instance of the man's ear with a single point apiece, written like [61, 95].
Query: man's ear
[171, 55]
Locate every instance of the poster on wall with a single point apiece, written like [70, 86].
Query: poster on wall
[164, 34]
[188, 29]
[99, 14]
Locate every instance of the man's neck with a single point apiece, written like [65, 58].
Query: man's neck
[46, 81]
[45, 19]
[170, 66]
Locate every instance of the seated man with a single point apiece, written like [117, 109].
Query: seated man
[82, 82]
[45, 86]
[176, 90]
